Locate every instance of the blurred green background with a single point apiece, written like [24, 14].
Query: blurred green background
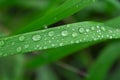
[15, 14]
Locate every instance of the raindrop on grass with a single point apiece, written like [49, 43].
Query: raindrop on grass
[92, 28]
[19, 49]
[64, 33]
[61, 44]
[26, 46]
[21, 38]
[81, 30]
[74, 34]
[103, 28]
[87, 30]
[51, 33]
[36, 37]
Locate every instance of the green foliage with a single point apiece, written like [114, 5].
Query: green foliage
[86, 50]
[56, 37]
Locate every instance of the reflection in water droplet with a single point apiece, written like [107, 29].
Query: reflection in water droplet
[87, 30]
[19, 49]
[26, 46]
[61, 44]
[98, 27]
[68, 25]
[74, 34]
[92, 28]
[36, 37]
[103, 28]
[51, 33]
[21, 38]
[81, 30]
[64, 33]
[2, 43]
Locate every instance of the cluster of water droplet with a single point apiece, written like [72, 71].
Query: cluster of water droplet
[61, 36]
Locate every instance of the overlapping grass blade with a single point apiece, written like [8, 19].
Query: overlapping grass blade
[109, 51]
[55, 54]
[104, 62]
[69, 7]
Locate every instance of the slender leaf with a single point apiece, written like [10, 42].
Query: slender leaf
[56, 37]
[53, 55]
[69, 7]
[46, 73]
[56, 54]
[104, 62]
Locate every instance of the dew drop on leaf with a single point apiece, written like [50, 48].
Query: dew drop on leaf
[19, 49]
[81, 30]
[2, 43]
[51, 33]
[74, 34]
[87, 30]
[21, 38]
[103, 28]
[92, 28]
[36, 37]
[64, 33]
[61, 44]
[26, 46]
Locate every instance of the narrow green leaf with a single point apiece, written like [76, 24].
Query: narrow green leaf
[114, 23]
[55, 54]
[46, 73]
[104, 62]
[69, 7]
[116, 74]
[56, 37]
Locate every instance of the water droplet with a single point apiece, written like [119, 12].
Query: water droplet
[53, 45]
[111, 37]
[26, 46]
[68, 25]
[74, 34]
[45, 47]
[21, 38]
[2, 43]
[51, 33]
[61, 44]
[92, 28]
[103, 28]
[98, 27]
[64, 33]
[19, 49]
[45, 27]
[81, 30]
[77, 41]
[36, 37]
[72, 42]
[87, 30]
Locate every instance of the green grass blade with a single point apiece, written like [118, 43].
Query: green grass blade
[53, 55]
[56, 37]
[69, 7]
[116, 74]
[104, 62]
[115, 23]
[46, 73]
[100, 75]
